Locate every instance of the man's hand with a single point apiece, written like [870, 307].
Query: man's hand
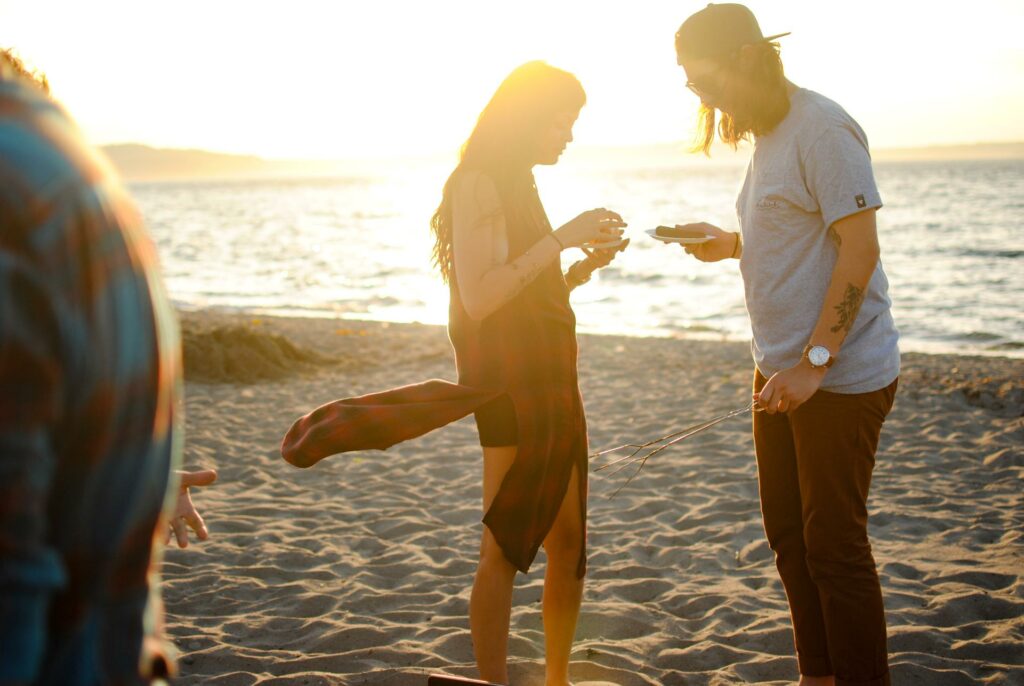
[790, 388]
[185, 514]
[719, 248]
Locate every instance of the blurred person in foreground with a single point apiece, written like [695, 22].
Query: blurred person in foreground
[89, 409]
[514, 335]
[824, 341]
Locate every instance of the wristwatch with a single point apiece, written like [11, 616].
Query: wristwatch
[819, 356]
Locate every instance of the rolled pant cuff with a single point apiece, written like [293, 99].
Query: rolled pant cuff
[880, 681]
[814, 665]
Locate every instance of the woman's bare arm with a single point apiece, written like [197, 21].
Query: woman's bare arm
[486, 281]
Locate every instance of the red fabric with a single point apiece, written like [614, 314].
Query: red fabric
[379, 420]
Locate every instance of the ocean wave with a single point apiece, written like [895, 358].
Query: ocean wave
[980, 336]
[999, 254]
[1007, 345]
[344, 248]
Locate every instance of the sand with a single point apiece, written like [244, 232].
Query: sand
[358, 570]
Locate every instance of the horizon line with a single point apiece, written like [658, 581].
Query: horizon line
[612, 147]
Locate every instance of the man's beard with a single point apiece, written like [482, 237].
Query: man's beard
[747, 110]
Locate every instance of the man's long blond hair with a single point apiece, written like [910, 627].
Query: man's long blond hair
[757, 97]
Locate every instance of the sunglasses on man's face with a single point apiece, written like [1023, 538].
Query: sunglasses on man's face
[704, 86]
[695, 89]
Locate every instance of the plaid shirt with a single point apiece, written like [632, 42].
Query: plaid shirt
[526, 349]
[89, 382]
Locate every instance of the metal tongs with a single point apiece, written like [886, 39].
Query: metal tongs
[665, 442]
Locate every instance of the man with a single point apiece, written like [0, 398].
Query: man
[89, 421]
[824, 342]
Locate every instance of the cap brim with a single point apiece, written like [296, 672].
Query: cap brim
[777, 35]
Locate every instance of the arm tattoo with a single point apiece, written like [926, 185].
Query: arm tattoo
[487, 219]
[848, 309]
[836, 238]
[524, 276]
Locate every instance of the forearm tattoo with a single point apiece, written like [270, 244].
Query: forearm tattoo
[487, 219]
[836, 238]
[848, 309]
[524, 276]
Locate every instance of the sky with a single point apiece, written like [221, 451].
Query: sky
[339, 79]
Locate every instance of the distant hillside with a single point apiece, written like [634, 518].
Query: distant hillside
[974, 151]
[143, 163]
[674, 154]
[138, 162]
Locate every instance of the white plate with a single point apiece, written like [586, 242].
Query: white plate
[696, 240]
[604, 245]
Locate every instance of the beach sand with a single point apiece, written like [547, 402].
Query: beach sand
[358, 570]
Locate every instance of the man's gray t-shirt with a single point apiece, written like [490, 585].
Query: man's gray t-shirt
[812, 170]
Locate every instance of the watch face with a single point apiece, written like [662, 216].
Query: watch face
[818, 355]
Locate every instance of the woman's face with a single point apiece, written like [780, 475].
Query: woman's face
[556, 136]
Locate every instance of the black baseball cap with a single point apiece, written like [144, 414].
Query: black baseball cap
[718, 29]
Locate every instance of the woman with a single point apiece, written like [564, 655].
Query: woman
[514, 337]
[512, 328]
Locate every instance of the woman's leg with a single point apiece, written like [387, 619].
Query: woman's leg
[490, 605]
[563, 590]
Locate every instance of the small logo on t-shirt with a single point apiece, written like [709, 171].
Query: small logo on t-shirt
[861, 202]
[768, 204]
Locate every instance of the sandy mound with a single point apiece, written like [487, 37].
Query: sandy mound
[241, 354]
[992, 384]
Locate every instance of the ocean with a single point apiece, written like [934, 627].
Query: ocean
[951, 233]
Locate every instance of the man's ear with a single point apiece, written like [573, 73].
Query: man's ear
[747, 57]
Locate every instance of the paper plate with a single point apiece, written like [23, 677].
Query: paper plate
[684, 240]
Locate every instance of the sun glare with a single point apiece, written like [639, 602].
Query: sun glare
[341, 80]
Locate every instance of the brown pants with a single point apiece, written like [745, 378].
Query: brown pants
[814, 468]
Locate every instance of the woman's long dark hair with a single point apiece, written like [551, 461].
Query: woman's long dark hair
[504, 141]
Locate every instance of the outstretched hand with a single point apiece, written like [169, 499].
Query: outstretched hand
[590, 227]
[185, 514]
[720, 247]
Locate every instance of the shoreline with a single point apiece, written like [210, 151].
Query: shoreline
[358, 319]
[358, 570]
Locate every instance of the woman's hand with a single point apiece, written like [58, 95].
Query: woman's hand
[580, 272]
[723, 246]
[600, 258]
[590, 227]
